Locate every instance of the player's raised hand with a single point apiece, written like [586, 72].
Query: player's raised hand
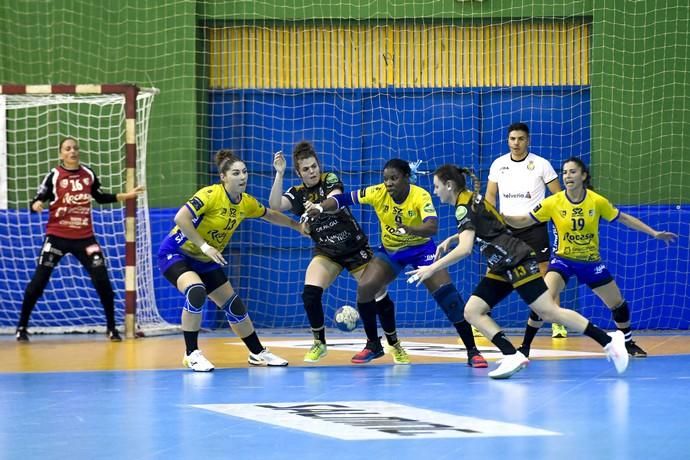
[37, 206]
[279, 162]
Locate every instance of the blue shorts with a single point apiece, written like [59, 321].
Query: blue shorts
[170, 253]
[593, 274]
[416, 256]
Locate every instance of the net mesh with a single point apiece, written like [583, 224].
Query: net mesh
[369, 81]
[34, 126]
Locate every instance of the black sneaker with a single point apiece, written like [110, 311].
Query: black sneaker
[22, 334]
[524, 350]
[634, 350]
[114, 336]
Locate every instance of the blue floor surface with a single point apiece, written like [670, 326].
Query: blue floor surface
[565, 409]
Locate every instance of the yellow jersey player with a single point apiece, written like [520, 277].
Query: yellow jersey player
[407, 220]
[576, 213]
[191, 259]
[512, 265]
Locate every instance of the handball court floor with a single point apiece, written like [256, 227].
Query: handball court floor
[82, 397]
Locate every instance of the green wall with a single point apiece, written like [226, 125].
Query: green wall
[639, 70]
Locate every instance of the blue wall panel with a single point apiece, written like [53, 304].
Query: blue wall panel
[355, 133]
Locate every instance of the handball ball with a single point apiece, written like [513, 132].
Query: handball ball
[346, 318]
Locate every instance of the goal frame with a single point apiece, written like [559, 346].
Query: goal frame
[129, 92]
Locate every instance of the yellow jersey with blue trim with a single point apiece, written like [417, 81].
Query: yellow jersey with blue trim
[416, 209]
[577, 224]
[216, 218]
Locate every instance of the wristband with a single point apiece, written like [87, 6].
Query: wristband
[319, 207]
[205, 247]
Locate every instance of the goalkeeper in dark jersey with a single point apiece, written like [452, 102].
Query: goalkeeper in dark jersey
[69, 189]
[339, 241]
[512, 266]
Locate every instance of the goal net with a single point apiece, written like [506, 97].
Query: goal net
[437, 81]
[31, 128]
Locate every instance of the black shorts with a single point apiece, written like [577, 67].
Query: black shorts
[524, 278]
[537, 237]
[212, 279]
[352, 261]
[86, 250]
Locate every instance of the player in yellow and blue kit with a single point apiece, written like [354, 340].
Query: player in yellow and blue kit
[575, 213]
[190, 257]
[408, 221]
[512, 265]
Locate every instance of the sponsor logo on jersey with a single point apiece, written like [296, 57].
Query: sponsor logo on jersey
[460, 212]
[196, 203]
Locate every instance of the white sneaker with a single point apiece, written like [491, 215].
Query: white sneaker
[266, 358]
[616, 351]
[509, 365]
[197, 362]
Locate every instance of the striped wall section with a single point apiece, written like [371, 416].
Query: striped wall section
[400, 55]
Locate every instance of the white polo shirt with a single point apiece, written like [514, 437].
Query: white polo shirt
[521, 184]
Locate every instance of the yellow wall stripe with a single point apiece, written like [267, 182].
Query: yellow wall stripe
[399, 54]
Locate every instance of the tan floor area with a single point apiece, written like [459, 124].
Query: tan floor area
[94, 353]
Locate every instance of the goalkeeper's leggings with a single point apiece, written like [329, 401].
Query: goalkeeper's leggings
[88, 252]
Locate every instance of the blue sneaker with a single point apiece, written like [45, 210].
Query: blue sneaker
[372, 350]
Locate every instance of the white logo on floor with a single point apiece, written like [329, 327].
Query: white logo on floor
[414, 348]
[367, 420]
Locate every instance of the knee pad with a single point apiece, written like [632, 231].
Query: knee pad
[451, 303]
[195, 296]
[621, 314]
[235, 310]
[312, 295]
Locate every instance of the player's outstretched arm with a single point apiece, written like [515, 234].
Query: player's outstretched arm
[459, 252]
[282, 220]
[637, 224]
[131, 194]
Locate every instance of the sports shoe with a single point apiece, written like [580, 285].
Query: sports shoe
[266, 358]
[476, 360]
[317, 351]
[372, 350]
[524, 350]
[400, 356]
[634, 350]
[22, 334]
[558, 331]
[114, 335]
[197, 362]
[616, 351]
[510, 364]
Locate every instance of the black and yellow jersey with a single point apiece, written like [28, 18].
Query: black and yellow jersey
[501, 249]
[334, 233]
